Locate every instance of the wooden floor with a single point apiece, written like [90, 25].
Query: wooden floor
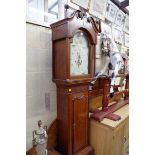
[53, 152]
[50, 152]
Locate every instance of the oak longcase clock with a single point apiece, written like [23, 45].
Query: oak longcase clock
[73, 55]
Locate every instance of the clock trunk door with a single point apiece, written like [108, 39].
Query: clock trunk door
[80, 121]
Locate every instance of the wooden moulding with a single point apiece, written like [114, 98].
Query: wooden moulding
[62, 31]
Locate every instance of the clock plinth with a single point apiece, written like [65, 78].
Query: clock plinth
[73, 56]
[72, 115]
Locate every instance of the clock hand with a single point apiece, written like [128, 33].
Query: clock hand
[79, 61]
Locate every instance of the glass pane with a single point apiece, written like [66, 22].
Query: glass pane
[79, 55]
[53, 9]
[42, 11]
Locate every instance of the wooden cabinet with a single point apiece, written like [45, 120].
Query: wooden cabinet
[111, 137]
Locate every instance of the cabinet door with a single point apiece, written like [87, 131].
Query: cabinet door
[121, 139]
[118, 141]
[126, 148]
[126, 138]
[80, 121]
[126, 130]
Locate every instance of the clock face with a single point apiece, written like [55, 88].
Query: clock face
[79, 56]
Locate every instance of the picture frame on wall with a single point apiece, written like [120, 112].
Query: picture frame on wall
[106, 37]
[97, 8]
[98, 49]
[126, 40]
[126, 24]
[111, 11]
[117, 35]
[120, 18]
[106, 29]
[82, 3]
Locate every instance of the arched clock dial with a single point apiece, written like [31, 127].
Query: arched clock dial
[79, 56]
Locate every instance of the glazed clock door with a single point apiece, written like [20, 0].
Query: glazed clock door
[80, 121]
[79, 55]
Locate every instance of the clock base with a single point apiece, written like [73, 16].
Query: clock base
[86, 151]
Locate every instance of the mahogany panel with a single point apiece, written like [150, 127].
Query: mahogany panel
[80, 120]
[59, 59]
[59, 31]
[63, 122]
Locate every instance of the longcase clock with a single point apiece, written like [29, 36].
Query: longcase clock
[73, 54]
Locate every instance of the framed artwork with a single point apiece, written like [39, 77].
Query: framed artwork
[82, 3]
[98, 8]
[117, 35]
[111, 11]
[119, 47]
[120, 18]
[126, 40]
[106, 29]
[126, 24]
[98, 49]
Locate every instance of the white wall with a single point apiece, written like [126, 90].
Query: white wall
[40, 90]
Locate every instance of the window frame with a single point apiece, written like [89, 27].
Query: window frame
[45, 14]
